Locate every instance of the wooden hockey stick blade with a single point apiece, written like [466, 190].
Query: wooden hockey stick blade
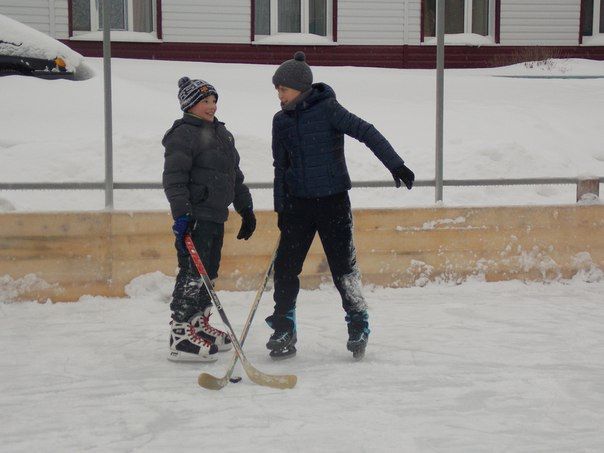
[283, 381]
[210, 382]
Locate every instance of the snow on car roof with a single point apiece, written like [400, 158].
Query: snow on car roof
[17, 39]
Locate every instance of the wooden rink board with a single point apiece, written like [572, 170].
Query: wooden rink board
[71, 254]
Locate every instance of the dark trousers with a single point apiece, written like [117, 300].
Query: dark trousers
[301, 218]
[189, 296]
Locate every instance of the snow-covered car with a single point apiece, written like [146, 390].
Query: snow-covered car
[26, 51]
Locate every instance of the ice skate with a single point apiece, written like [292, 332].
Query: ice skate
[187, 346]
[204, 329]
[282, 342]
[358, 333]
[282, 345]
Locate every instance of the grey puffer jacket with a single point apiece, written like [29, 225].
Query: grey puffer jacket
[201, 170]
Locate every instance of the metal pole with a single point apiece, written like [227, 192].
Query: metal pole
[440, 89]
[108, 120]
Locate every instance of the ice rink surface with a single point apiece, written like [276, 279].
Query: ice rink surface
[475, 367]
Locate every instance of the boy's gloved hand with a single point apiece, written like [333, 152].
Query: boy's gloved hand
[405, 175]
[180, 228]
[248, 224]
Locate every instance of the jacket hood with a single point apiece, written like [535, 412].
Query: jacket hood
[320, 92]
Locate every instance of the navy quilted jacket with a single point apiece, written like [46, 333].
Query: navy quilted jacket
[308, 147]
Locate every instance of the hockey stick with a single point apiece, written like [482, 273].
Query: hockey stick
[210, 382]
[276, 381]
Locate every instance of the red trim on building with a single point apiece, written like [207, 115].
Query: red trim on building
[334, 21]
[412, 57]
[253, 21]
[158, 20]
[497, 21]
[70, 18]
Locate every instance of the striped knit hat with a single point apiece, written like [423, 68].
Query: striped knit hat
[190, 92]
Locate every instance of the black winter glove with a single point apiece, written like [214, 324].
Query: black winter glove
[248, 224]
[182, 226]
[405, 175]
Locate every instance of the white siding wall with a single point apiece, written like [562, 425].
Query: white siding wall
[540, 22]
[213, 21]
[375, 22]
[413, 12]
[47, 16]
[61, 20]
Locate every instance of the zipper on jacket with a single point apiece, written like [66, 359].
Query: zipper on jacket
[301, 152]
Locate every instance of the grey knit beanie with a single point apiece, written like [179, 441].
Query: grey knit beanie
[294, 73]
[190, 92]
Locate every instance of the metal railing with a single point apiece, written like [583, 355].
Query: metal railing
[269, 185]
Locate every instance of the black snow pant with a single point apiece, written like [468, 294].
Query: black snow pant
[190, 296]
[301, 218]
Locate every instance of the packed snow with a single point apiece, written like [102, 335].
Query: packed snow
[477, 367]
[457, 368]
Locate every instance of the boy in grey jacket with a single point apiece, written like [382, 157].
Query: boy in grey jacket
[201, 178]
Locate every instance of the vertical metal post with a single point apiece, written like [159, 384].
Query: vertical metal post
[108, 118]
[440, 89]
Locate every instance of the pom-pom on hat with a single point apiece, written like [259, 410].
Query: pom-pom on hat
[190, 92]
[294, 73]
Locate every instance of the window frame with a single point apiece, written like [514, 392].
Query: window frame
[304, 20]
[597, 13]
[493, 20]
[129, 11]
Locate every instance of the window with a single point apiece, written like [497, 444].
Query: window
[461, 16]
[293, 16]
[593, 18]
[127, 15]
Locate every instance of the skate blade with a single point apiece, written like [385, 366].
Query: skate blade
[178, 356]
[282, 355]
[358, 355]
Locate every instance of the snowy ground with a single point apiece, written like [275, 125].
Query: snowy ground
[471, 368]
[495, 127]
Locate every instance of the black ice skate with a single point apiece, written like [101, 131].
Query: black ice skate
[282, 342]
[282, 345]
[358, 333]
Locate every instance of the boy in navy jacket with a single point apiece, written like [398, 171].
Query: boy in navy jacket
[311, 195]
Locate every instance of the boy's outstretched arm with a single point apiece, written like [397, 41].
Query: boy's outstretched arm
[350, 124]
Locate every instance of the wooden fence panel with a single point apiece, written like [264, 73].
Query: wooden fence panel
[63, 256]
